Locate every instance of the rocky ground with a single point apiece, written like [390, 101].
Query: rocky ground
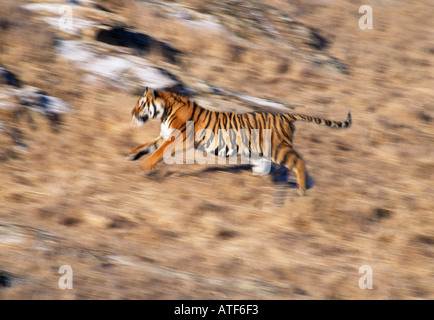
[70, 73]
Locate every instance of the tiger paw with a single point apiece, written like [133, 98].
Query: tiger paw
[301, 192]
[130, 157]
[147, 166]
[134, 155]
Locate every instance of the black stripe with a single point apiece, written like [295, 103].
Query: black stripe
[233, 121]
[200, 112]
[237, 122]
[287, 136]
[218, 122]
[213, 127]
[207, 118]
[290, 117]
[276, 150]
[194, 111]
[254, 121]
[276, 129]
[183, 128]
[170, 119]
[283, 162]
[246, 124]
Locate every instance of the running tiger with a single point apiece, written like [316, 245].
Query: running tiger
[175, 111]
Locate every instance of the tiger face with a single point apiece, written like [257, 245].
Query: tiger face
[148, 107]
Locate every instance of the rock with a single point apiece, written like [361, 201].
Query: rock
[141, 43]
[317, 41]
[35, 99]
[256, 23]
[9, 78]
[119, 69]
[11, 99]
[76, 18]
[5, 279]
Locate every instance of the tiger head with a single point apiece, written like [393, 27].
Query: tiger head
[149, 106]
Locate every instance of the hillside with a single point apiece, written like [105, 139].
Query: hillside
[68, 197]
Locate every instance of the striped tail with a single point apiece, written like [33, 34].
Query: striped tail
[324, 122]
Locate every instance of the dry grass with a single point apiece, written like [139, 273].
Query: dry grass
[24, 40]
[211, 53]
[217, 232]
[28, 51]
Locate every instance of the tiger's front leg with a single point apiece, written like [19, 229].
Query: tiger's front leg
[149, 163]
[143, 149]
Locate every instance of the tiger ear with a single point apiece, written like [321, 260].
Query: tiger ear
[149, 91]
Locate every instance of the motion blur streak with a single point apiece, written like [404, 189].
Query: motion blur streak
[70, 73]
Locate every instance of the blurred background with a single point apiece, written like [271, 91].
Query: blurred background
[70, 73]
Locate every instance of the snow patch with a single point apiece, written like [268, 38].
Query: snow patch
[123, 71]
[34, 99]
[77, 24]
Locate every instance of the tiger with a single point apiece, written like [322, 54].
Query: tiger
[174, 110]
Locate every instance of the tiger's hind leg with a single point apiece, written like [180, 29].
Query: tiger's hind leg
[143, 149]
[287, 157]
